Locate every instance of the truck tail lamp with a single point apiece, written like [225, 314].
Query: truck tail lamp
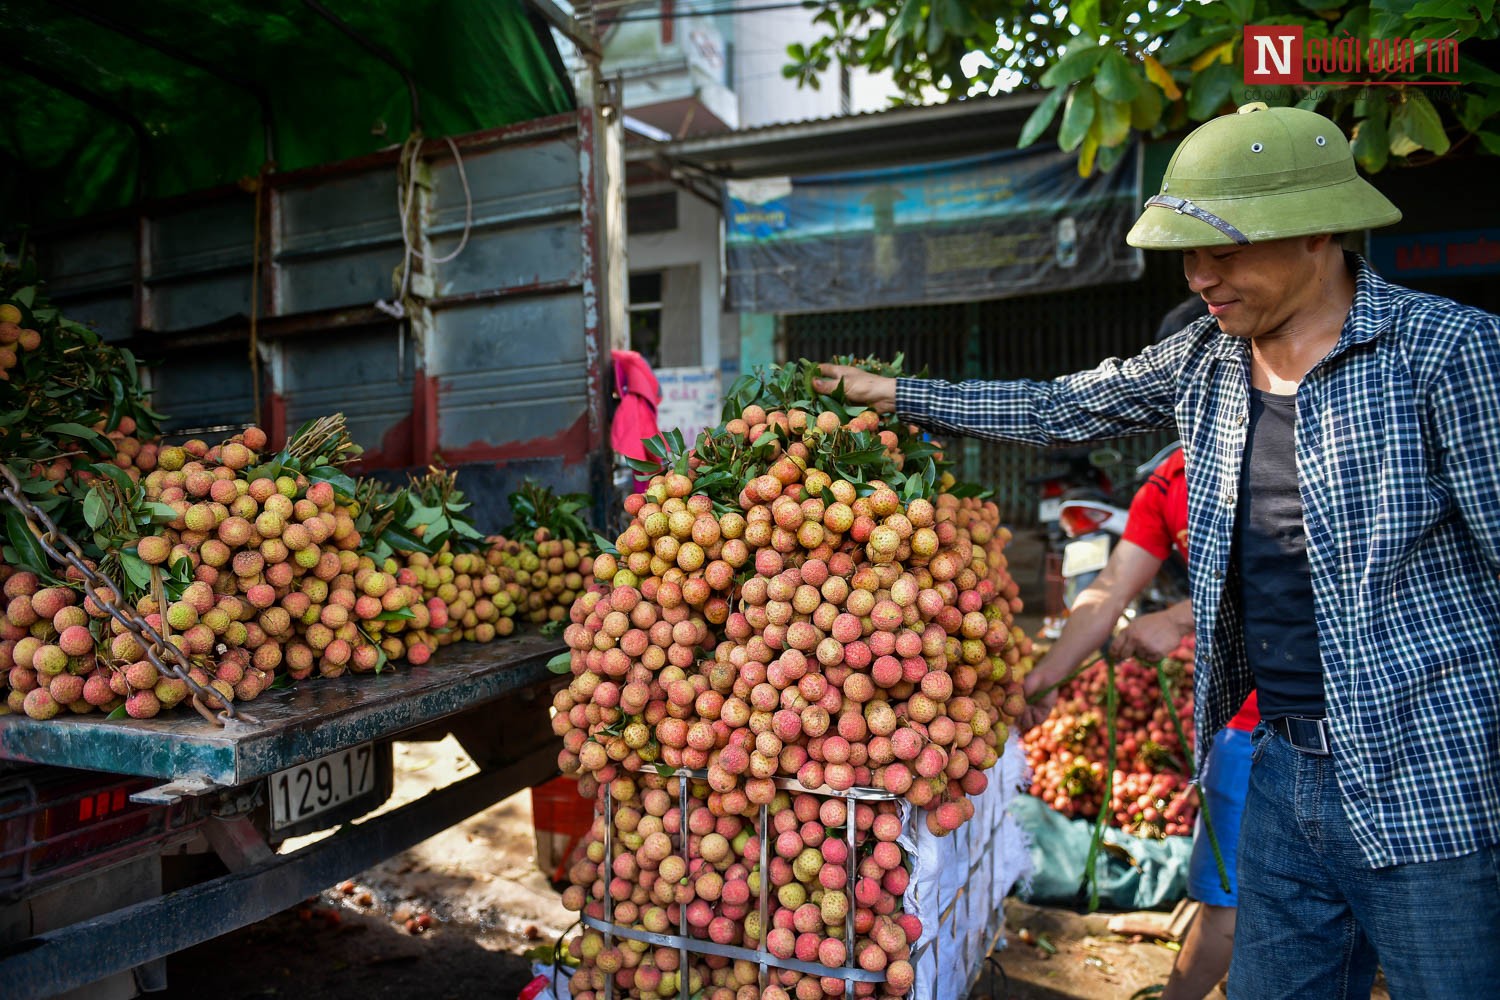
[49, 827]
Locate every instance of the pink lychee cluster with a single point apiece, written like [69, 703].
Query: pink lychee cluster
[773, 643]
[703, 871]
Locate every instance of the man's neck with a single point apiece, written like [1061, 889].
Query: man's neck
[1280, 359]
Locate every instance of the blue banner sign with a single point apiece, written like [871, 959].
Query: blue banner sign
[1420, 255]
[992, 226]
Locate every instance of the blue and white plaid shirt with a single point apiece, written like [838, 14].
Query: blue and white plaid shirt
[1398, 455]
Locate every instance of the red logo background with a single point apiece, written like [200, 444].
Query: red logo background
[1264, 46]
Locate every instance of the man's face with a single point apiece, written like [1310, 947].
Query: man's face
[1252, 290]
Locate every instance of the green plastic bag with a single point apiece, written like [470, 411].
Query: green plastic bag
[1059, 846]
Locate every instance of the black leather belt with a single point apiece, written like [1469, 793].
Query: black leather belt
[1305, 734]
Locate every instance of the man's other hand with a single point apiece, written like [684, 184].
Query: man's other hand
[874, 391]
[1036, 712]
[1149, 637]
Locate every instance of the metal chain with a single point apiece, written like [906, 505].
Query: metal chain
[166, 657]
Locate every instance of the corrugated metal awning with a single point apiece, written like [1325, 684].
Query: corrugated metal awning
[895, 136]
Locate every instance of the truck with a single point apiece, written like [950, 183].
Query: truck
[455, 298]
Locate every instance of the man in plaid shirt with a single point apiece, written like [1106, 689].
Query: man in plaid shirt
[1343, 461]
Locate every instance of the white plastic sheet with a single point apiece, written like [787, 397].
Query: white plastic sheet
[959, 884]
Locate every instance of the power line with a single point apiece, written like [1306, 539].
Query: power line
[713, 12]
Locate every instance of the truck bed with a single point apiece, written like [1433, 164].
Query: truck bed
[285, 727]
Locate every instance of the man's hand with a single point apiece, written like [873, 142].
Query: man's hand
[1037, 713]
[1149, 637]
[1047, 673]
[874, 391]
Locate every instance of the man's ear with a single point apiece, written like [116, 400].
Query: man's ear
[1319, 243]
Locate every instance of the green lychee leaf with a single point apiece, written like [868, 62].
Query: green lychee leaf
[161, 513]
[94, 512]
[562, 663]
[81, 433]
[27, 551]
[118, 713]
[135, 569]
[344, 486]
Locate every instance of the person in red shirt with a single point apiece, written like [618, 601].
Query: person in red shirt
[1158, 525]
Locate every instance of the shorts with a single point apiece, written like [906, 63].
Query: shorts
[1226, 777]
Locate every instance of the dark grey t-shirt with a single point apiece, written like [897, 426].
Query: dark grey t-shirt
[1270, 544]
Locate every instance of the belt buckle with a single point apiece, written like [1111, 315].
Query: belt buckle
[1297, 726]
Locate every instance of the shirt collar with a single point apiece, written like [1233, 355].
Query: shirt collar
[1369, 315]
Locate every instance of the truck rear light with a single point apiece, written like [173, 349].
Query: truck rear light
[1079, 519]
[55, 826]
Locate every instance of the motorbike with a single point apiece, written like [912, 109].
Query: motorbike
[1093, 524]
[1075, 472]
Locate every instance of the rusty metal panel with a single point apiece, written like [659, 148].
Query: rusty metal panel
[337, 242]
[199, 262]
[78, 262]
[90, 275]
[203, 387]
[525, 227]
[200, 301]
[112, 314]
[364, 375]
[508, 385]
[207, 237]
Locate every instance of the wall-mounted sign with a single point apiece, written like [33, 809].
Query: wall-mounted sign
[982, 227]
[690, 400]
[1418, 255]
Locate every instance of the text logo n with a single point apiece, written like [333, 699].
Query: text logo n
[1273, 54]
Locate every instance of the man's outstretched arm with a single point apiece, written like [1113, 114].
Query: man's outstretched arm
[1114, 399]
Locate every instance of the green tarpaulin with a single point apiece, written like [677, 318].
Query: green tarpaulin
[1141, 875]
[78, 95]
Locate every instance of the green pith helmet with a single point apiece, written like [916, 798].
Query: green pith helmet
[1261, 174]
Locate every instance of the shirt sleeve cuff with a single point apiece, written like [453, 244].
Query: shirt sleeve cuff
[911, 398]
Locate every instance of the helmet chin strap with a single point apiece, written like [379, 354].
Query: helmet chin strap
[1184, 207]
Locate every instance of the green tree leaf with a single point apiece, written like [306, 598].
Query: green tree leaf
[1241, 10]
[1078, 115]
[1041, 117]
[1074, 66]
[1415, 125]
[1372, 144]
[1085, 14]
[1209, 90]
[1145, 110]
[1113, 121]
[1117, 79]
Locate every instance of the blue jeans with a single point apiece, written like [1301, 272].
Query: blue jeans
[1315, 919]
[1226, 775]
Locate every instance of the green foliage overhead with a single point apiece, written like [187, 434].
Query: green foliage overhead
[1115, 69]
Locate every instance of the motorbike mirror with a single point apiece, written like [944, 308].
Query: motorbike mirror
[1102, 458]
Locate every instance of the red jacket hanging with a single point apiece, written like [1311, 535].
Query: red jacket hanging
[635, 419]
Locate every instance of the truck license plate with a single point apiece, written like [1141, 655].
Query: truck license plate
[306, 790]
[1085, 555]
